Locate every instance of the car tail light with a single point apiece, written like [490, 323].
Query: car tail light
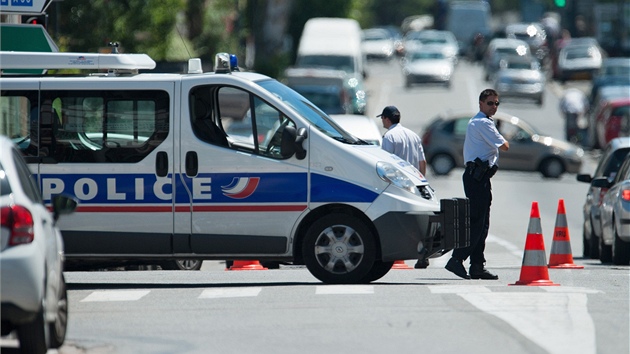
[625, 195]
[613, 127]
[19, 221]
[426, 138]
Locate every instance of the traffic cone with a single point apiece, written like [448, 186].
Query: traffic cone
[401, 265]
[534, 270]
[561, 255]
[247, 265]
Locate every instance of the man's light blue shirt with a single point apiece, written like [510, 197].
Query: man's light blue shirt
[482, 140]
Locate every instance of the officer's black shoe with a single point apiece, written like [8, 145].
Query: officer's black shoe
[422, 264]
[477, 271]
[456, 267]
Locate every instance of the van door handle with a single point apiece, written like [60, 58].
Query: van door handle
[161, 164]
[192, 164]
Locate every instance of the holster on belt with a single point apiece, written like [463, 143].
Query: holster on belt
[480, 169]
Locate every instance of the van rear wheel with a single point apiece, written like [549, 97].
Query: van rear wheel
[182, 264]
[339, 249]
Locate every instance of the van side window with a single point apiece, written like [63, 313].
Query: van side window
[19, 119]
[89, 126]
[246, 122]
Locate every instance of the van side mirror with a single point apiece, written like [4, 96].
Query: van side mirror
[63, 204]
[292, 140]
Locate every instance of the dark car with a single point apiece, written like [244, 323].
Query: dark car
[608, 165]
[443, 143]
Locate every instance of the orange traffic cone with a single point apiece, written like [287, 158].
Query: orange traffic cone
[561, 255]
[534, 270]
[401, 265]
[247, 265]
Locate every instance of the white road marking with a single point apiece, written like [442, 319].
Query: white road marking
[556, 320]
[115, 295]
[344, 289]
[216, 293]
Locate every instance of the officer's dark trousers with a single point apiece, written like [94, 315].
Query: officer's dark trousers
[480, 195]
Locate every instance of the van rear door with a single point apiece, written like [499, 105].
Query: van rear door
[112, 149]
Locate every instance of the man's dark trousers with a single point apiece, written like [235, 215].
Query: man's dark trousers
[480, 195]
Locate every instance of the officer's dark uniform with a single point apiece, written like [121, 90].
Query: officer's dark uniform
[480, 153]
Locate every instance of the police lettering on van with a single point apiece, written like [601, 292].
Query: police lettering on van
[222, 165]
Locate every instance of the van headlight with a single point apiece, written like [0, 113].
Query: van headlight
[392, 174]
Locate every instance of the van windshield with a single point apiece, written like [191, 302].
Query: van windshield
[320, 120]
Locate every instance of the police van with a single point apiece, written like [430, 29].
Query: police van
[221, 165]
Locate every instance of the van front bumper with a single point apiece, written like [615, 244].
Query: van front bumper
[414, 235]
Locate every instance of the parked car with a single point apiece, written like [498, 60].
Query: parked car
[613, 72]
[33, 289]
[614, 120]
[443, 142]
[532, 33]
[428, 65]
[579, 61]
[615, 216]
[520, 77]
[607, 167]
[363, 127]
[605, 96]
[377, 43]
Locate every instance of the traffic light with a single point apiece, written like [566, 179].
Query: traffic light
[36, 20]
[560, 3]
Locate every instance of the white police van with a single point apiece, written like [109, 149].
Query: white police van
[223, 165]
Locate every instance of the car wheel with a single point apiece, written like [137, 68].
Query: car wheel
[379, 269]
[407, 83]
[605, 252]
[339, 249]
[59, 327]
[552, 168]
[539, 101]
[32, 335]
[442, 164]
[620, 249]
[182, 264]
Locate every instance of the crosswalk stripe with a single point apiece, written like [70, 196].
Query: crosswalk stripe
[115, 295]
[344, 289]
[216, 293]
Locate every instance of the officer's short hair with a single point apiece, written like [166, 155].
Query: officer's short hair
[487, 93]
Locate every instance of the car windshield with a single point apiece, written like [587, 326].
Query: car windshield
[320, 120]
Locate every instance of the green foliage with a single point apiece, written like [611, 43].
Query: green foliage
[140, 26]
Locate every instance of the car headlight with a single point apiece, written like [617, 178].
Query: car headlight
[392, 174]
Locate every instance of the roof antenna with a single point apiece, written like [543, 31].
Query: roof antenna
[114, 46]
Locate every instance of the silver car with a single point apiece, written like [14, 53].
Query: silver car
[427, 65]
[615, 216]
[32, 286]
[608, 165]
[443, 143]
[520, 77]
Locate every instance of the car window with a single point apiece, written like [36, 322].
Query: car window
[26, 178]
[5, 186]
[615, 161]
[624, 170]
[459, 126]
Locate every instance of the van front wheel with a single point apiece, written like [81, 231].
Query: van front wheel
[339, 249]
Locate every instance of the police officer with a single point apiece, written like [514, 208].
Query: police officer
[407, 145]
[481, 152]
